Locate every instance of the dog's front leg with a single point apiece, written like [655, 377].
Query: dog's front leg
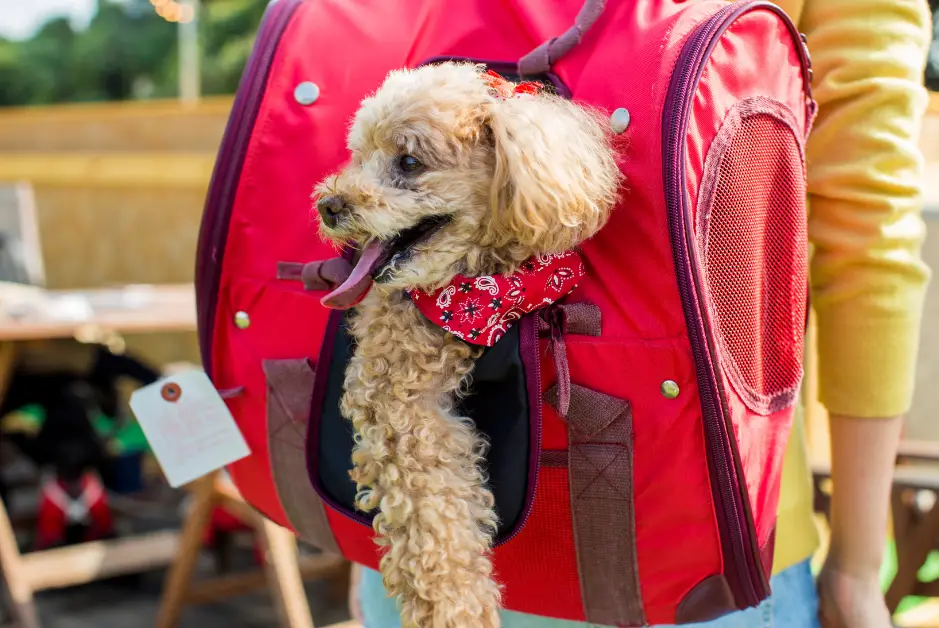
[436, 520]
[418, 463]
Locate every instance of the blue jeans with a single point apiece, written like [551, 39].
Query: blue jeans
[793, 604]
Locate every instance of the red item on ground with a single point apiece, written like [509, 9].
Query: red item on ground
[58, 509]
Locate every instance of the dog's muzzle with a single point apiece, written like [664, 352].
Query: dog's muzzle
[332, 209]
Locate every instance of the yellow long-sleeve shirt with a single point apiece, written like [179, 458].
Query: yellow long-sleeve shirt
[864, 182]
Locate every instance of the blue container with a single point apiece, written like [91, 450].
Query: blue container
[126, 473]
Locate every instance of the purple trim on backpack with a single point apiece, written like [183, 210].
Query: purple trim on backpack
[740, 549]
[528, 348]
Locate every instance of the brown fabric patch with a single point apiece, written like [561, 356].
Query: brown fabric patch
[710, 599]
[600, 463]
[582, 319]
[593, 413]
[579, 319]
[289, 394]
[555, 458]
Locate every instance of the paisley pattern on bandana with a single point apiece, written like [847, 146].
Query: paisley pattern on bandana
[505, 90]
[480, 310]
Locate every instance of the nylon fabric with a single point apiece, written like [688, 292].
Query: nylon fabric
[627, 60]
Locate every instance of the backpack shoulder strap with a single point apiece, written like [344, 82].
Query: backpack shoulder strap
[540, 60]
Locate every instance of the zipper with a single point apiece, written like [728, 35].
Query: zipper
[742, 563]
[528, 350]
[220, 200]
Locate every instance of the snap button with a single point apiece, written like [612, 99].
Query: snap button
[619, 121]
[306, 93]
[242, 320]
[670, 389]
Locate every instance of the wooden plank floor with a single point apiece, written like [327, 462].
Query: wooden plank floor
[132, 603]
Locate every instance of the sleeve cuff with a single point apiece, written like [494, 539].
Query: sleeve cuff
[867, 366]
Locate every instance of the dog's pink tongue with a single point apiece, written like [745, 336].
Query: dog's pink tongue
[356, 286]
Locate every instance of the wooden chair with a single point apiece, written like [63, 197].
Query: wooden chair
[284, 570]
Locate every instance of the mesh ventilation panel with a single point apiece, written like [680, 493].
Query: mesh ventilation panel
[755, 260]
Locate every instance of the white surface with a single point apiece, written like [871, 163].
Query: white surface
[20, 19]
[192, 436]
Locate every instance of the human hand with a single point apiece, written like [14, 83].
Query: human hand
[864, 452]
[355, 604]
[850, 599]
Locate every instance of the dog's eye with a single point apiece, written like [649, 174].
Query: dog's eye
[408, 163]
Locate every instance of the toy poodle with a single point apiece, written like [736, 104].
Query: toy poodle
[461, 187]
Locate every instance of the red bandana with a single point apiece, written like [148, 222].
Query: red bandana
[480, 310]
[505, 89]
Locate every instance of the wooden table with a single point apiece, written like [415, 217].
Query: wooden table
[122, 310]
[101, 316]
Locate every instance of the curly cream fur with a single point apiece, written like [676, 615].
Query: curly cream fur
[517, 177]
[418, 462]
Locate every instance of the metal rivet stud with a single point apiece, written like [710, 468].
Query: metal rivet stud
[306, 93]
[242, 320]
[619, 121]
[670, 389]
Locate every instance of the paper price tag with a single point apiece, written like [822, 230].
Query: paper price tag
[188, 425]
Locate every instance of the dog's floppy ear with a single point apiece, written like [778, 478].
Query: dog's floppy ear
[555, 178]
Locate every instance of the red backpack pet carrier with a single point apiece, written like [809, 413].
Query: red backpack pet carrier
[655, 501]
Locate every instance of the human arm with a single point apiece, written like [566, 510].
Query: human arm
[863, 454]
[864, 172]
[355, 602]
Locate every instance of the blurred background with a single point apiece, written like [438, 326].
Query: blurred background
[111, 112]
[110, 116]
[67, 51]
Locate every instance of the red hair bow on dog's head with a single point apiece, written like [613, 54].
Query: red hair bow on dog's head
[505, 89]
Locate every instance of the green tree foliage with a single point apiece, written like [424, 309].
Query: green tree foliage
[15, 80]
[227, 30]
[127, 52]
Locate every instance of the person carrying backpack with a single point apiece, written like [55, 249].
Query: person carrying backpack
[864, 172]
[646, 456]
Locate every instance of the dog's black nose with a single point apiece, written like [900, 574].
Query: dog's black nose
[330, 208]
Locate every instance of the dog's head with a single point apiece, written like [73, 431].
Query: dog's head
[452, 175]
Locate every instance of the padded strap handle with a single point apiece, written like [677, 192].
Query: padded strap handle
[547, 54]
